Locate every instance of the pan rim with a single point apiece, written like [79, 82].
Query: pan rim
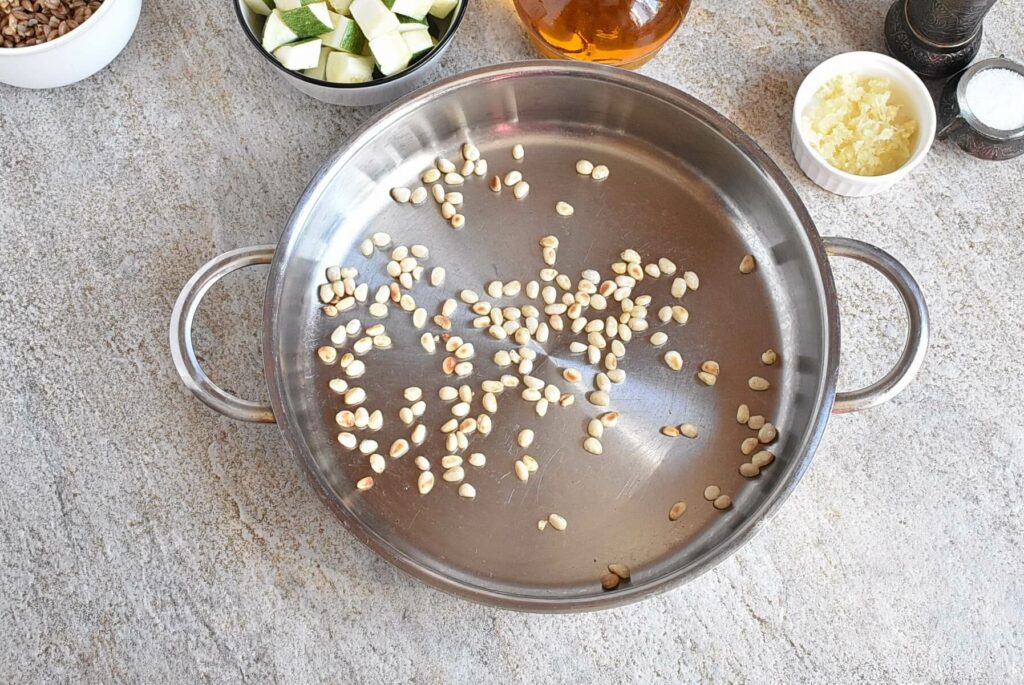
[647, 87]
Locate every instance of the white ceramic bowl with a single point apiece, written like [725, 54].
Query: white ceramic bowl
[77, 54]
[912, 93]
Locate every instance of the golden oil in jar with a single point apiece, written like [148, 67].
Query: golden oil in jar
[624, 33]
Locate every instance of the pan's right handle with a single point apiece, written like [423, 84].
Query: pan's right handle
[892, 383]
[183, 353]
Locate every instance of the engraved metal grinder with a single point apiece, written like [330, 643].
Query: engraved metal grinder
[935, 38]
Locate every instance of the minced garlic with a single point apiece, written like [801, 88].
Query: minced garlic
[854, 126]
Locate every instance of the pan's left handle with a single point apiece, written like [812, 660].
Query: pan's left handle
[183, 353]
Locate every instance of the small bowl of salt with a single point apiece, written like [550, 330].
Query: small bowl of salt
[982, 110]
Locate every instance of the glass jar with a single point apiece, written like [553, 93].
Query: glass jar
[623, 33]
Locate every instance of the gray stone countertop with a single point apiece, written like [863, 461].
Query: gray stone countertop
[144, 538]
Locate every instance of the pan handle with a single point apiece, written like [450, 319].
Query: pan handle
[892, 383]
[183, 353]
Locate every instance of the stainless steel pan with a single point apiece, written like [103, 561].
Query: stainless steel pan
[686, 184]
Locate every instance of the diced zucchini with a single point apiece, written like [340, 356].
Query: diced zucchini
[418, 42]
[346, 35]
[340, 6]
[320, 70]
[309, 21]
[373, 18]
[390, 52]
[416, 9]
[304, 54]
[345, 68]
[262, 7]
[442, 8]
[410, 24]
[286, 5]
[276, 33]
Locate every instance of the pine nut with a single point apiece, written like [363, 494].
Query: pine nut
[518, 152]
[680, 315]
[711, 367]
[525, 438]
[707, 378]
[712, 492]
[747, 264]
[742, 414]
[481, 168]
[541, 407]
[377, 463]
[595, 428]
[425, 482]
[454, 474]
[495, 184]
[327, 354]
[458, 221]
[354, 396]
[337, 385]
[762, 459]
[688, 430]
[513, 177]
[584, 167]
[366, 247]
[450, 461]
[659, 338]
[398, 448]
[381, 239]
[599, 398]
[437, 191]
[758, 384]
[368, 446]
[677, 510]
[609, 581]
[769, 357]
[521, 470]
[400, 195]
[430, 176]
[348, 440]
[564, 208]
[756, 422]
[722, 502]
[448, 210]
[557, 522]
[418, 196]
[419, 434]
[674, 360]
[364, 483]
[466, 490]
[670, 431]
[376, 420]
[427, 341]
[599, 173]
[767, 434]
[609, 419]
[748, 470]
[749, 446]
[521, 190]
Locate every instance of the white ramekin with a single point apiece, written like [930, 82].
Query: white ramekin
[917, 99]
[77, 54]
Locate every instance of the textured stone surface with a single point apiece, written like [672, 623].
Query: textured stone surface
[144, 538]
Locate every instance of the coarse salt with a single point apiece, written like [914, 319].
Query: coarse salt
[996, 98]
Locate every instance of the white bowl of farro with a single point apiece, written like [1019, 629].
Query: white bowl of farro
[51, 43]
